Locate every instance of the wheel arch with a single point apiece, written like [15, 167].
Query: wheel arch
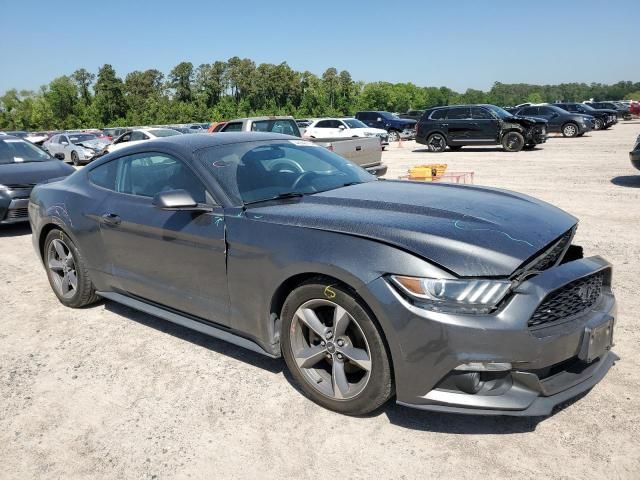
[290, 284]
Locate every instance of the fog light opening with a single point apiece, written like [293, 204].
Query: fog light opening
[469, 382]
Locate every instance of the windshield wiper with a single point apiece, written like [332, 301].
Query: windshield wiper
[277, 197]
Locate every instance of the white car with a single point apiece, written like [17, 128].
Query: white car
[344, 127]
[140, 135]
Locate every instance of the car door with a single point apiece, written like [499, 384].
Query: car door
[65, 147]
[458, 122]
[172, 258]
[553, 118]
[53, 145]
[484, 127]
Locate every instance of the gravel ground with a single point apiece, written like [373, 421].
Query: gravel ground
[107, 392]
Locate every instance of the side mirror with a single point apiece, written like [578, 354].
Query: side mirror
[341, 127]
[379, 119]
[59, 156]
[178, 200]
[64, 143]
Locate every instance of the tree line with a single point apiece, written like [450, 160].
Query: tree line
[239, 87]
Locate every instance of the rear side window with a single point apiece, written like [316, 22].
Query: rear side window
[105, 175]
[232, 127]
[529, 111]
[438, 114]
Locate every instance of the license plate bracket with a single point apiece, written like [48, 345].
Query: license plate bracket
[596, 341]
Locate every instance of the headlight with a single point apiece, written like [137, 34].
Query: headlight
[454, 296]
[3, 187]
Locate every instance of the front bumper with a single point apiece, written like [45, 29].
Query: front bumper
[377, 170]
[14, 206]
[427, 347]
[634, 156]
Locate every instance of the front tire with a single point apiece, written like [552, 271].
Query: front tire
[599, 124]
[67, 271]
[569, 130]
[334, 350]
[394, 136]
[74, 158]
[513, 142]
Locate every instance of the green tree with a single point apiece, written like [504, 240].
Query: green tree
[180, 79]
[109, 103]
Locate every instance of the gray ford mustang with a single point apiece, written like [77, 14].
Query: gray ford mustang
[452, 298]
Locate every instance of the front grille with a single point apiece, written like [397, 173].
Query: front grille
[572, 299]
[16, 213]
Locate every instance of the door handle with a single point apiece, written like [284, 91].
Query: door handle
[444, 124]
[111, 219]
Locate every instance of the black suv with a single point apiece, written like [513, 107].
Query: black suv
[604, 117]
[559, 120]
[459, 125]
[623, 111]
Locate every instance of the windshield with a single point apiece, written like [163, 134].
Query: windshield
[354, 123]
[79, 138]
[588, 108]
[256, 171]
[18, 151]
[500, 112]
[164, 132]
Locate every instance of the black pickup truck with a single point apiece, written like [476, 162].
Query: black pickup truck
[459, 125]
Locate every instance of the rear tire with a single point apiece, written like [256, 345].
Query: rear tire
[394, 136]
[334, 350]
[513, 142]
[67, 271]
[436, 142]
[570, 130]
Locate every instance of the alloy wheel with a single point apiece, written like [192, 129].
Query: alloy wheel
[330, 349]
[570, 130]
[437, 143]
[62, 268]
[393, 136]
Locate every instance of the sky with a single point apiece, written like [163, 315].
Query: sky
[460, 44]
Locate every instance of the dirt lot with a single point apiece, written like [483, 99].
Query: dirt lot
[107, 392]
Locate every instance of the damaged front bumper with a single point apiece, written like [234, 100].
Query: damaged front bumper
[500, 364]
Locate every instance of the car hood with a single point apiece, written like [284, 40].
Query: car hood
[33, 172]
[525, 120]
[469, 230]
[402, 121]
[97, 144]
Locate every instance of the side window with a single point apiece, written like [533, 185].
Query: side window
[547, 111]
[135, 136]
[148, 174]
[232, 127]
[125, 138]
[367, 116]
[323, 124]
[105, 175]
[529, 111]
[459, 113]
[55, 139]
[63, 139]
[438, 114]
[479, 113]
